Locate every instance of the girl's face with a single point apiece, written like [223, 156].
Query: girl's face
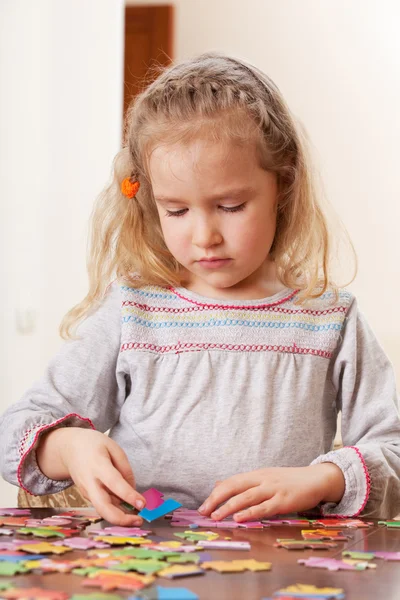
[217, 210]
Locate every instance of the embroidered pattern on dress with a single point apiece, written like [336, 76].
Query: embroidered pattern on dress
[161, 320]
[30, 438]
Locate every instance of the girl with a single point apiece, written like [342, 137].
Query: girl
[223, 351]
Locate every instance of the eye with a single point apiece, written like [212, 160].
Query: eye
[232, 209]
[176, 213]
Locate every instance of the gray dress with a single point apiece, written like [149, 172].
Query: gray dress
[196, 389]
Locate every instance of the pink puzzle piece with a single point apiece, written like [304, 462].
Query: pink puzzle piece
[14, 512]
[185, 517]
[224, 545]
[120, 531]
[332, 564]
[293, 522]
[154, 498]
[81, 543]
[387, 555]
[10, 545]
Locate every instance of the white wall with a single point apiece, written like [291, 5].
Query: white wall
[61, 74]
[338, 66]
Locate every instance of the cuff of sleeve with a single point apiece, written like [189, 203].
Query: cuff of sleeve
[30, 477]
[357, 482]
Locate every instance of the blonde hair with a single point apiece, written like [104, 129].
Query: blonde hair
[205, 96]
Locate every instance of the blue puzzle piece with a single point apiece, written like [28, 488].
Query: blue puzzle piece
[164, 508]
[175, 594]
[10, 558]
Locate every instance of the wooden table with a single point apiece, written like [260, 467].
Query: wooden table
[383, 583]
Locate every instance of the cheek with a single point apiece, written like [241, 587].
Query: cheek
[173, 232]
[254, 232]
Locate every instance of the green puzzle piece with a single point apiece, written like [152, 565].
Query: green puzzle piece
[185, 557]
[85, 570]
[358, 555]
[142, 566]
[5, 585]
[192, 537]
[142, 553]
[12, 568]
[41, 532]
[390, 523]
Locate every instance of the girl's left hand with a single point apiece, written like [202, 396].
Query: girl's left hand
[277, 490]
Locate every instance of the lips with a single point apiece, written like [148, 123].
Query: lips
[213, 263]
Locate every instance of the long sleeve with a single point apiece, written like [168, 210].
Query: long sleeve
[80, 388]
[364, 382]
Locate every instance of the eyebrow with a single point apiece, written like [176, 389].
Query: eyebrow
[229, 194]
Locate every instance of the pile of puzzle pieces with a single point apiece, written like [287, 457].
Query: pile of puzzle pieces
[129, 559]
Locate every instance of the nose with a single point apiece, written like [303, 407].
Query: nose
[205, 232]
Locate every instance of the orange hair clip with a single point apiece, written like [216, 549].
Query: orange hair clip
[128, 188]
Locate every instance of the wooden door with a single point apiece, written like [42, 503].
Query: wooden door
[148, 40]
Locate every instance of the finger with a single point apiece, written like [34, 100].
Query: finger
[121, 463]
[266, 509]
[225, 490]
[118, 486]
[101, 500]
[250, 497]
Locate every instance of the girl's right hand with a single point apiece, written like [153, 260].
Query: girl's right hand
[99, 468]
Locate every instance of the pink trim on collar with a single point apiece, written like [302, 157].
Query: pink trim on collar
[230, 307]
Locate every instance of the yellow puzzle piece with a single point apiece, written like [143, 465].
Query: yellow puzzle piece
[310, 589]
[236, 566]
[121, 541]
[44, 548]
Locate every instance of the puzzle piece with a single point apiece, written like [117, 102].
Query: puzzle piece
[112, 580]
[304, 544]
[91, 516]
[13, 512]
[11, 568]
[148, 566]
[81, 543]
[121, 531]
[358, 555]
[292, 522]
[332, 564]
[180, 571]
[13, 521]
[300, 590]
[34, 594]
[192, 557]
[161, 510]
[5, 531]
[153, 497]
[198, 536]
[325, 534]
[175, 594]
[10, 545]
[236, 566]
[121, 541]
[224, 545]
[95, 596]
[132, 552]
[340, 523]
[388, 555]
[47, 565]
[49, 521]
[41, 532]
[390, 524]
[43, 548]
[18, 557]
